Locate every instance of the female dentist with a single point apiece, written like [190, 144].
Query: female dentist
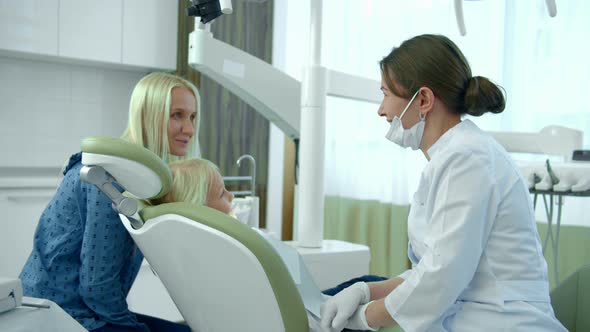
[477, 263]
[83, 259]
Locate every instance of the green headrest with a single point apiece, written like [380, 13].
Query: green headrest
[131, 179]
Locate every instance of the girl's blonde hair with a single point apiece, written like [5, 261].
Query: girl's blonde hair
[191, 179]
[149, 113]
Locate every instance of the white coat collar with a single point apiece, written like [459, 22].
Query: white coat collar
[441, 143]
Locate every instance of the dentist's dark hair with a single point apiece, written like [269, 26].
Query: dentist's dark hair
[434, 61]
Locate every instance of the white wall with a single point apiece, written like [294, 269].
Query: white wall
[46, 109]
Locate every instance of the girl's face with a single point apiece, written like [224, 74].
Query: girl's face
[181, 123]
[218, 197]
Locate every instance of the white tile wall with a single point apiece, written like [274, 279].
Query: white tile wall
[46, 109]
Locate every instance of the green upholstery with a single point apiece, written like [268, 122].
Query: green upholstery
[571, 301]
[117, 147]
[290, 303]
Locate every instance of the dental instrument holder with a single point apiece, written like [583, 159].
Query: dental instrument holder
[127, 206]
[550, 180]
[252, 217]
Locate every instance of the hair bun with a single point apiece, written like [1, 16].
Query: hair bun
[483, 96]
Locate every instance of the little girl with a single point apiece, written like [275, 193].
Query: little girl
[197, 181]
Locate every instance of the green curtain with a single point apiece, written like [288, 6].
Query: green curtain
[380, 226]
[383, 227]
[573, 253]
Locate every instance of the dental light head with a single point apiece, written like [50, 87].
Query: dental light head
[208, 10]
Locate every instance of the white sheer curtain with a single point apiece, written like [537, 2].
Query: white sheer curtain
[546, 76]
[547, 66]
[360, 162]
[542, 63]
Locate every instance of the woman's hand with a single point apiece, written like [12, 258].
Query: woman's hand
[358, 321]
[337, 310]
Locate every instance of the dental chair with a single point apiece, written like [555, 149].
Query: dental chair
[571, 300]
[221, 274]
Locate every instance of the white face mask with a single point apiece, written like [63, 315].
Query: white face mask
[406, 138]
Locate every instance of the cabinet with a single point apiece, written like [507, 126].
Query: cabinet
[91, 29]
[29, 26]
[149, 33]
[132, 34]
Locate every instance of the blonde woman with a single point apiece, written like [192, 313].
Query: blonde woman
[82, 257]
[197, 181]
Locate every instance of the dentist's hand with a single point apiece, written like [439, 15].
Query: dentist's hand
[358, 321]
[337, 310]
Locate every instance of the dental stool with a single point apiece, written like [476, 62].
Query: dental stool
[222, 275]
[571, 300]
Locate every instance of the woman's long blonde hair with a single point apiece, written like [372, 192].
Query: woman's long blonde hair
[191, 179]
[149, 112]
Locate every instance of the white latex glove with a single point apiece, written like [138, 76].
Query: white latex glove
[337, 310]
[358, 321]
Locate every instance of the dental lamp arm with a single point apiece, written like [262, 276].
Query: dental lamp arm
[271, 92]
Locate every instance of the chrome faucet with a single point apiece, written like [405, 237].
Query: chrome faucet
[252, 171]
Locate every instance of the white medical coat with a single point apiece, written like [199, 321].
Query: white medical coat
[477, 262]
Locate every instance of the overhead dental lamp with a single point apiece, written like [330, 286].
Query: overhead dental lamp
[208, 10]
